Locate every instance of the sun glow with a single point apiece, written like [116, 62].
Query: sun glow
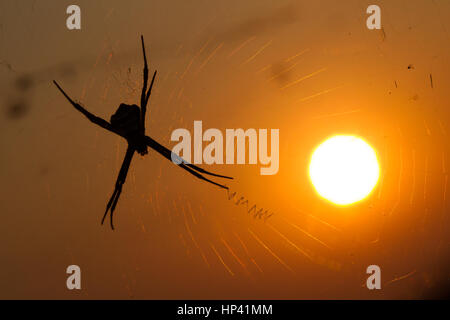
[344, 169]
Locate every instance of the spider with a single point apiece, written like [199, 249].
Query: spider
[129, 123]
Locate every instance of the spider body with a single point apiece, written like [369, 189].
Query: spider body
[128, 122]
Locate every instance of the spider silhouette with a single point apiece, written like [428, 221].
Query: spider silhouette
[129, 123]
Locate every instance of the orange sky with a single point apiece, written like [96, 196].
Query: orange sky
[229, 64]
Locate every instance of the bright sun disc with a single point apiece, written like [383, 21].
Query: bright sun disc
[344, 169]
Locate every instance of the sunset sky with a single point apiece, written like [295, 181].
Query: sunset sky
[311, 69]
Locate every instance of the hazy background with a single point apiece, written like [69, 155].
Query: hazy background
[231, 64]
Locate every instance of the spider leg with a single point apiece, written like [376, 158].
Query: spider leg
[192, 169]
[97, 120]
[150, 89]
[144, 88]
[110, 202]
[119, 183]
[198, 175]
[145, 95]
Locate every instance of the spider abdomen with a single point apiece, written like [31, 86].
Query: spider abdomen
[127, 119]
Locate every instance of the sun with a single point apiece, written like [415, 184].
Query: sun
[344, 169]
